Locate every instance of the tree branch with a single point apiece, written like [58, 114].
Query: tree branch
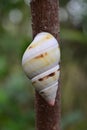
[45, 18]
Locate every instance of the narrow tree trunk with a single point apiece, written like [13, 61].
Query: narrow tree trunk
[45, 18]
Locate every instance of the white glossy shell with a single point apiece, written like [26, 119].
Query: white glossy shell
[41, 64]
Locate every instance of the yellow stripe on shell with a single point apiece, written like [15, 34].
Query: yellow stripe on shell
[41, 41]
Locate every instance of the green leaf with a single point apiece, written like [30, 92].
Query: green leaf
[73, 35]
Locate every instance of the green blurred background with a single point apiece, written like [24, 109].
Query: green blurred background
[16, 94]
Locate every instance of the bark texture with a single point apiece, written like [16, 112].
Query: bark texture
[45, 18]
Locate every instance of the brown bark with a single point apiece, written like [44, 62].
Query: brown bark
[45, 18]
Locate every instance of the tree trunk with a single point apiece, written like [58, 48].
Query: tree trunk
[45, 18]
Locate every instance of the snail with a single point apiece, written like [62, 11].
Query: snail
[40, 63]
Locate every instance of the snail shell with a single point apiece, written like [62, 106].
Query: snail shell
[41, 64]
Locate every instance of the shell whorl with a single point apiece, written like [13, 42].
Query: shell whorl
[41, 64]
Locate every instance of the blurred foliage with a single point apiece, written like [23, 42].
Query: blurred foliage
[16, 93]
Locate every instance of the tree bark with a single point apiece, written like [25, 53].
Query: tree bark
[45, 18]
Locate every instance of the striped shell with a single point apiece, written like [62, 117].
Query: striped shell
[41, 64]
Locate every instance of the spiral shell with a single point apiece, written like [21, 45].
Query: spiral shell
[41, 64]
